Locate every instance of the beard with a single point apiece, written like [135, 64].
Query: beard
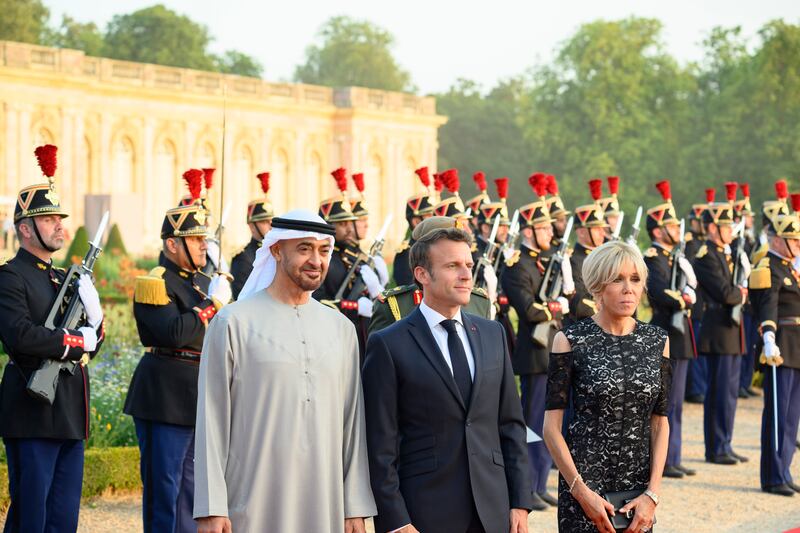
[298, 278]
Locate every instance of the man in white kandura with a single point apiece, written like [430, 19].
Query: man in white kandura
[280, 442]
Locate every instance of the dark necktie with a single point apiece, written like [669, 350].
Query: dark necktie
[458, 358]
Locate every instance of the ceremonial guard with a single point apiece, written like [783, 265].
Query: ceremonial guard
[172, 306]
[697, 378]
[720, 340]
[539, 320]
[590, 232]
[558, 213]
[259, 221]
[205, 177]
[474, 204]
[775, 294]
[44, 437]
[671, 285]
[742, 211]
[418, 207]
[351, 284]
[610, 205]
[361, 212]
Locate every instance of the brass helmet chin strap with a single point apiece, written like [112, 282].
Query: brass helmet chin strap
[188, 255]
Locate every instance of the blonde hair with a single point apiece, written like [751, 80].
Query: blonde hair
[604, 264]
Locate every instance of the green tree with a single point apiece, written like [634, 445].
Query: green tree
[23, 20]
[114, 243]
[353, 53]
[159, 35]
[78, 247]
[78, 36]
[612, 102]
[233, 62]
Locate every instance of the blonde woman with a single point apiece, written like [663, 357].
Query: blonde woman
[617, 373]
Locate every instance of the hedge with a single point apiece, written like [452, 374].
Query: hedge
[105, 471]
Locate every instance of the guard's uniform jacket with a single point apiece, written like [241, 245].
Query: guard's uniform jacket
[242, 265]
[29, 289]
[775, 294]
[172, 312]
[581, 303]
[342, 259]
[665, 302]
[693, 246]
[522, 282]
[714, 271]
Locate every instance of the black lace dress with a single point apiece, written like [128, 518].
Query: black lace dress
[616, 383]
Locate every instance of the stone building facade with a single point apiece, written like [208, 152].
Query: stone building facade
[126, 132]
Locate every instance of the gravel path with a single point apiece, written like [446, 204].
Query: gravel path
[719, 498]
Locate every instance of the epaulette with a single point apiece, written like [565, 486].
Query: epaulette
[761, 276]
[480, 291]
[403, 247]
[151, 289]
[511, 261]
[702, 251]
[759, 253]
[400, 289]
[3, 261]
[651, 252]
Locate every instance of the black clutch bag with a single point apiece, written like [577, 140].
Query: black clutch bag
[618, 500]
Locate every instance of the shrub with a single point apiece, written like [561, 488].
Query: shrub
[114, 242]
[111, 373]
[77, 248]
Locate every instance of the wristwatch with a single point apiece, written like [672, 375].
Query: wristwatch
[652, 495]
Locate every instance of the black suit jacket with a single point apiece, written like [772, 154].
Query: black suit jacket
[430, 457]
[718, 333]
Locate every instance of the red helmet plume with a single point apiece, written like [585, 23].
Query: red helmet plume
[263, 177]
[796, 201]
[208, 177]
[596, 188]
[710, 194]
[501, 184]
[552, 185]
[450, 179]
[340, 175]
[745, 188]
[665, 190]
[46, 157]
[781, 190]
[422, 173]
[613, 184]
[194, 181]
[480, 181]
[730, 190]
[358, 180]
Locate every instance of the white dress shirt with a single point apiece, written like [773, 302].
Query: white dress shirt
[434, 320]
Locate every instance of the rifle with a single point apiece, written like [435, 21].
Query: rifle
[550, 289]
[618, 228]
[633, 238]
[738, 271]
[362, 259]
[487, 259]
[512, 241]
[677, 280]
[65, 313]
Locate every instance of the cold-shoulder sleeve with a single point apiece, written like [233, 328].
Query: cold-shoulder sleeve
[559, 380]
[662, 400]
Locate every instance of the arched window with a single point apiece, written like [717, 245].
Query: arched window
[123, 166]
[279, 179]
[165, 171]
[84, 171]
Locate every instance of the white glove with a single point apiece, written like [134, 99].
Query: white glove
[688, 271]
[490, 277]
[692, 296]
[746, 267]
[726, 249]
[380, 267]
[89, 338]
[371, 280]
[364, 307]
[771, 351]
[508, 253]
[567, 282]
[212, 252]
[564, 305]
[90, 300]
[220, 289]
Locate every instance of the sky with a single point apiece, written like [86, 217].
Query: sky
[439, 41]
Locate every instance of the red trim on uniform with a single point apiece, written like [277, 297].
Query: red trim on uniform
[691, 334]
[554, 307]
[348, 305]
[417, 297]
[502, 299]
[73, 341]
[207, 313]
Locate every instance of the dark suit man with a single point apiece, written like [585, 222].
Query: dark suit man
[445, 433]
